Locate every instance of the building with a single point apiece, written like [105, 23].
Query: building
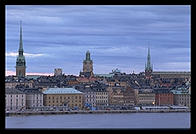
[63, 97]
[146, 98]
[115, 95]
[182, 97]
[163, 97]
[148, 66]
[20, 62]
[57, 72]
[89, 97]
[15, 100]
[13, 84]
[171, 74]
[130, 96]
[115, 82]
[101, 96]
[87, 66]
[34, 98]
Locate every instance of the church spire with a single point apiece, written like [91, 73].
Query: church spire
[21, 43]
[148, 66]
[20, 61]
[88, 58]
[148, 59]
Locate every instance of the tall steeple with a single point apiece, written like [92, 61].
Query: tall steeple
[148, 66]
[20, 62]
[21, 44]
[88, 58]
[87, 66]
[148, 59]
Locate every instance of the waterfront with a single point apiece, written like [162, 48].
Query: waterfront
[114, 120]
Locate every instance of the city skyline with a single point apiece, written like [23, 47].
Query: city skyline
[116, 36]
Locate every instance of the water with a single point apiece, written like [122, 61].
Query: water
[114, 120]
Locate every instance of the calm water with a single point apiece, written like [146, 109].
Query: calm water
[116, 120]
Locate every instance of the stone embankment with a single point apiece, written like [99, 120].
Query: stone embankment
[92, 112]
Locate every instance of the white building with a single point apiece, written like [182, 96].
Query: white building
[34, 98]
[15, 100]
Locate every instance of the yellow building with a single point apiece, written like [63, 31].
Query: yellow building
[146, 98]
[63, 97]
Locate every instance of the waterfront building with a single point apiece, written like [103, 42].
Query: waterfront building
[163, 97]
[115, 95]
[148, 66]
[101, 96]
[57, 72]
[63, 97]
[182, 97]
[34, 98]
[130, 96]
[20, 62]
[87, 66]
[146, 98]
[15, 99]
[89, 96]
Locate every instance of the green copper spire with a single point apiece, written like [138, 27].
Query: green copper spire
[148, 58]
[21, 44]
[20, 59]
[148, 66]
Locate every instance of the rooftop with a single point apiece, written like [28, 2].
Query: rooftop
[13, 91]
[61, 91]
[171, 72]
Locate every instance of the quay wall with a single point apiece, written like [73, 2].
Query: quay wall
[91, 112]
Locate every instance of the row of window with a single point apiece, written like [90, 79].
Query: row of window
[101, 97]
[69, 97]
[101, 93]
[14, 95]
[17, 100]
[72, 105]
[101, 101]
[63, 101]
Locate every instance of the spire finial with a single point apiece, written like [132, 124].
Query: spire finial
[88, 55]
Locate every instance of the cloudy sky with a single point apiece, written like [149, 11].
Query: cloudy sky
[116, 36]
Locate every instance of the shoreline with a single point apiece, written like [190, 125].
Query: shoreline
[90, 112]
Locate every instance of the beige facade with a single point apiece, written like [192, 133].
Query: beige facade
[70, 100]
[115, 96]
[101, 98]
[182, 100]
[146, 98]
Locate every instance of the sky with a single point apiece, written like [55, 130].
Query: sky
[117, 36]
